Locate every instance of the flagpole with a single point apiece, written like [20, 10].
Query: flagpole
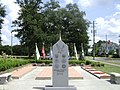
[82, 51]
[37, 52]
[75, 50]
[43, 51]
[60, 35]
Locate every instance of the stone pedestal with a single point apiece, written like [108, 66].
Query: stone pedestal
[61, 88]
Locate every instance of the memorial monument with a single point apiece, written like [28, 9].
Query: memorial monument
[60, 68]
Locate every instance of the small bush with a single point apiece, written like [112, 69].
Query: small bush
[98, 64]
[41, 61]
[102, 64]
[93, 64]
[88, 62]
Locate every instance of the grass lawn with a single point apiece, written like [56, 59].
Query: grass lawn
[108, 68]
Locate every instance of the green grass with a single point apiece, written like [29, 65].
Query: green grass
[108, 69]
[9, 63]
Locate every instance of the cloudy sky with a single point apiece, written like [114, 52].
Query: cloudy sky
[105, 13]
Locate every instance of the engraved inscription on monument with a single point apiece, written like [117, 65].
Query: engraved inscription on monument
[60, 64]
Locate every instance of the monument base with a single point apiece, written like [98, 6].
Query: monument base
[60, 88]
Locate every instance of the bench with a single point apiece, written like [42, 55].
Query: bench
[4, 78]
[115, 77]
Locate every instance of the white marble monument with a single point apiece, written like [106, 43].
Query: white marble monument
[60, 68]
[60, 64]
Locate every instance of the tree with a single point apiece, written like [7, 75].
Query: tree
[20, 50]
[75, 27]
[44, 24]
[2, 15]
[51, 21]
[29, 23]
[97, 47]
[69, 21]
[6, 49]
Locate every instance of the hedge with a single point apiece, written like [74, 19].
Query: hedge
[71, 62]
[11, 63]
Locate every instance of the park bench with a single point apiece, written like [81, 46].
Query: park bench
[115, 77]
[4, 78]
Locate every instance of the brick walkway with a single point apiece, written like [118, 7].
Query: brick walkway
[89, 81]
[46, 73]
[16, 74]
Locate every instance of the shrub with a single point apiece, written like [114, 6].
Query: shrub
[88, 62]
[78, 62]
[41, 61]
[93, 64]
[102, 64]
[11, 63]
[98, 64]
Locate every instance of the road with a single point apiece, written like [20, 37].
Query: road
[111, 61]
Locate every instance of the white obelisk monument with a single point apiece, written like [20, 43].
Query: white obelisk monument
[60, 64]
[60, 68]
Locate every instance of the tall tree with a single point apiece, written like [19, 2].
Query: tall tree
[2, 15]
[69, 21]
[75, 27]
[46, 25]
[29, 23]
[51, 21]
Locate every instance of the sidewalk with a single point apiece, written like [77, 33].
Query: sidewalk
[89, 82]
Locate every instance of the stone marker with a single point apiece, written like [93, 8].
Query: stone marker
[60, 68]
[60, 64]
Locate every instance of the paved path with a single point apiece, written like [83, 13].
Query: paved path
[90, 82]
[46, 73]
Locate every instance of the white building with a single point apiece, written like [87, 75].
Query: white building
[105, 48]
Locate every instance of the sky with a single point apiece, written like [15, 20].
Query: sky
[105, 13]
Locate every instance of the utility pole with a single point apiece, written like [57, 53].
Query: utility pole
[106, 51]
[93, 40]
[119, 47]
[11, 43]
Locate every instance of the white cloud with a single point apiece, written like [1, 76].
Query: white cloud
[12, 8]
[12, 13]
[68, 1]
[85, 3]
[5, 41]
[94, 3]
[118, 6]
[97, 38]
[103, 2]
[110, 25]
[6, 21]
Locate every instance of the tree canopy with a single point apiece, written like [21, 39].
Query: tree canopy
[40, 22]
[2, 15]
